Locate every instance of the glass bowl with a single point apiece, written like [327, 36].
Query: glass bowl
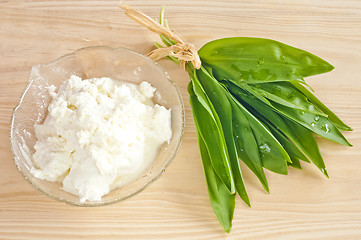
[93, 62]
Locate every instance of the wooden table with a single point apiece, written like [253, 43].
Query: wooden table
[302, 205]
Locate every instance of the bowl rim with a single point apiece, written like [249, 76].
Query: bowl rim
[156, 177]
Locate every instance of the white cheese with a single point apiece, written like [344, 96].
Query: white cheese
[99, 134]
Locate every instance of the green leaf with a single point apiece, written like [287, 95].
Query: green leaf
[222, 201]
[295, 163]
[299, 135]
[273, 155]
[315, 123]
[256, 60]
[209, 127]
[287, 144]
[309, 145]
[318, 124]
[252, 91]
[335, 120]
[246, 144]
[286, 94]
[218, 97]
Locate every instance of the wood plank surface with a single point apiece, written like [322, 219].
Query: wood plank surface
[302, 205]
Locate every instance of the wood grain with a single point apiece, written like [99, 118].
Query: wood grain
[302, 205]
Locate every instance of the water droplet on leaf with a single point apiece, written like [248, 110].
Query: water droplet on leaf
[276, 90]
[313, 124]
[264, 147]
[301, 113]
[317, 118]
[325, 128]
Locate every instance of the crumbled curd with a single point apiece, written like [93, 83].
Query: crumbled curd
[99, 134]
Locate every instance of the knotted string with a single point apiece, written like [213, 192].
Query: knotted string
[183, 51]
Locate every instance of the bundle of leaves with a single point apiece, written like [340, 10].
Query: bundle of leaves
[249, 104]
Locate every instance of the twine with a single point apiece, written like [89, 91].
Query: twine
[185, 52]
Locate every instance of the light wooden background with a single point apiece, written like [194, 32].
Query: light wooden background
[302, 205]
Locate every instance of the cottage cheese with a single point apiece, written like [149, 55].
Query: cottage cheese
[99, 134]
